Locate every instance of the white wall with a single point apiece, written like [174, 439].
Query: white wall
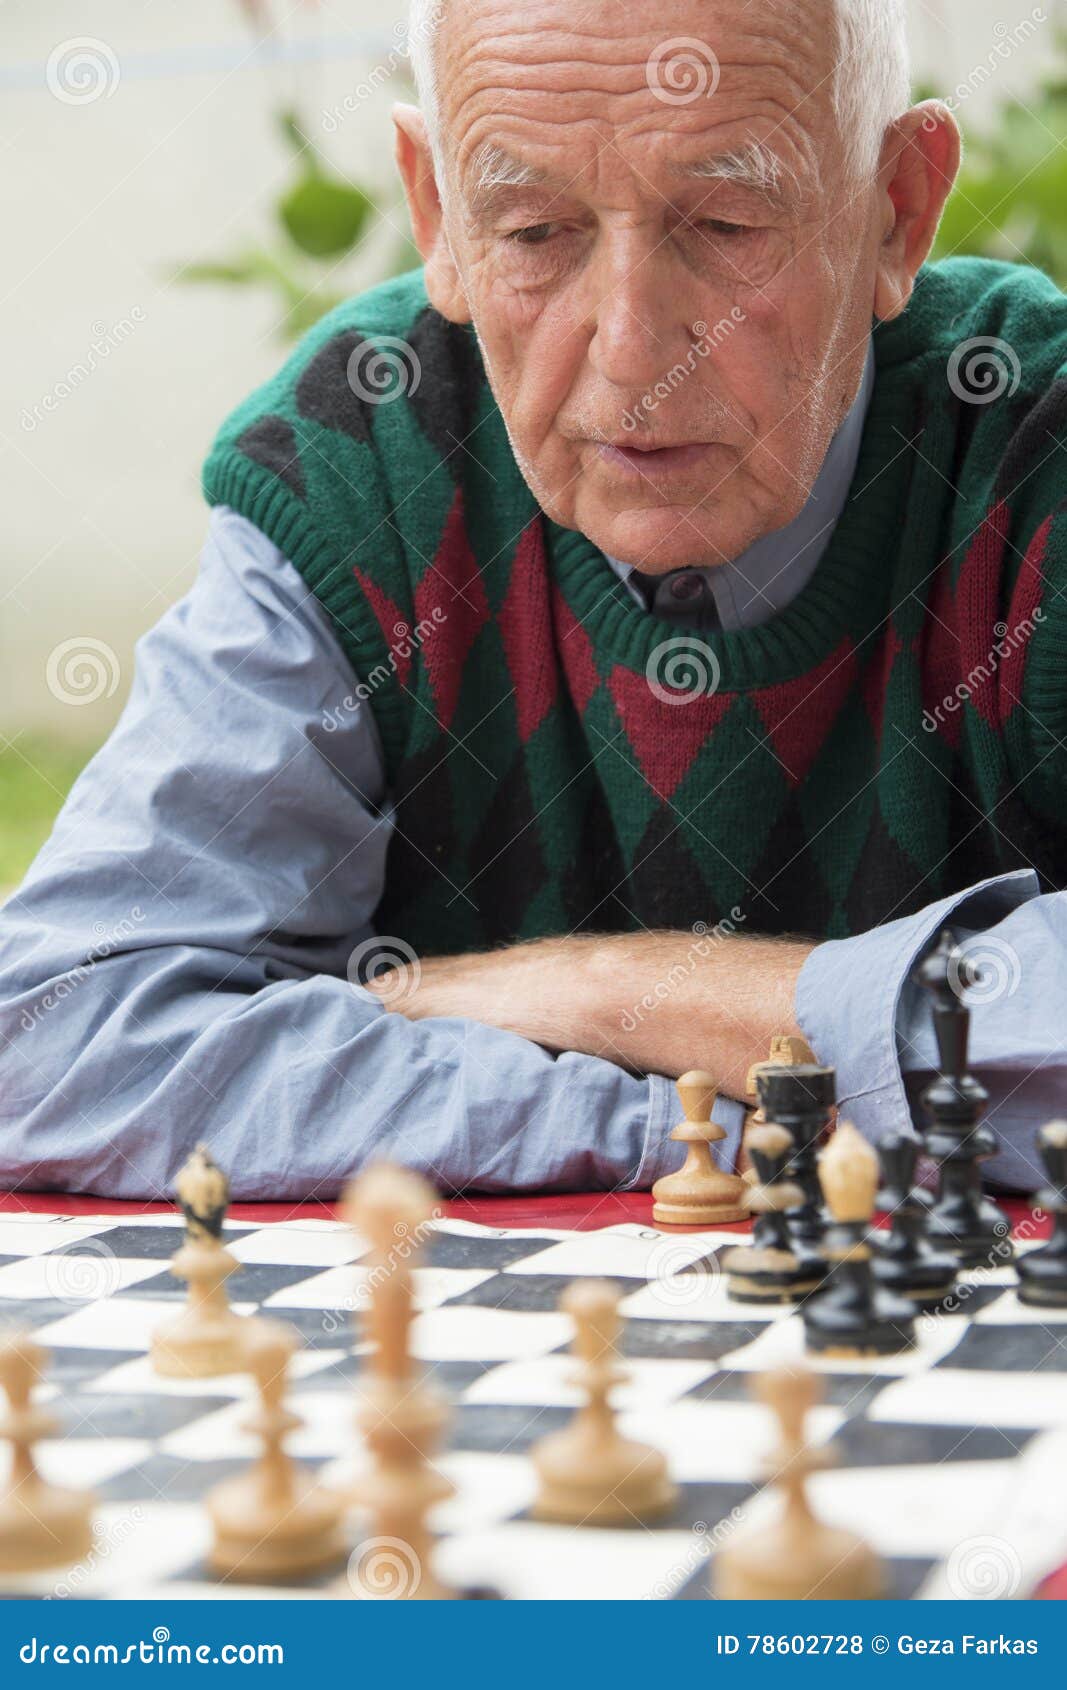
[101, 511]
[102, 516]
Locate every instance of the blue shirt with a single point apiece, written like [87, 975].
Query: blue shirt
[174, 966]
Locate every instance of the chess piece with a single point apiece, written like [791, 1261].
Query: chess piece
[274, 1521]
[41, 1525]
[1043, 1272]
[800, 1098]
[963, 1220]
[852, 1315]
[786, 1051]
[904, 1260]
[402, 1418]
[206, 1338]
[699, 1193]
[796, 1557]
[772, 1268]
[589, 1474]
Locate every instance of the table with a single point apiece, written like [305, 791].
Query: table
[578, 1212]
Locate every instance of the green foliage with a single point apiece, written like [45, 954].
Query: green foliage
[322, 220]
[322, 215]
[35, 777]
[1011, 198]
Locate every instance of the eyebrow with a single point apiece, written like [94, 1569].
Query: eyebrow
[495, 174]
[753, 165]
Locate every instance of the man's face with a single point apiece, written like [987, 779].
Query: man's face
[672, 344]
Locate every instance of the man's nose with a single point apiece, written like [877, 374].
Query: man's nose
[639, 327]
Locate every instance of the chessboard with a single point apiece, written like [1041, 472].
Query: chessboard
[947, 1456]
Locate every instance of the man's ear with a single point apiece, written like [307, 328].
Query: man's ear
[920, 161]
[414, 160]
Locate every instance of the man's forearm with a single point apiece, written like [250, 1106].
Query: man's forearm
[657, 1002]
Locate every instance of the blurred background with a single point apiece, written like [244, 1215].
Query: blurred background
[188, 184]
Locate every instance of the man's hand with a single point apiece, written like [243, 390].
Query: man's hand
[654, 1002]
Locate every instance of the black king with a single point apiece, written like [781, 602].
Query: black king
[962, 1221]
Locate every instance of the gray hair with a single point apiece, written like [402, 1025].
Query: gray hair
[871, 78]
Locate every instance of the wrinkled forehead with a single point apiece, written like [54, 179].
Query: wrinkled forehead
[567, 77]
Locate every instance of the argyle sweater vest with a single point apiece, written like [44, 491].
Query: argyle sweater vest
[559, 763]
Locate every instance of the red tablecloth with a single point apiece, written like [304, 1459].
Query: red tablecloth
[580, 1212]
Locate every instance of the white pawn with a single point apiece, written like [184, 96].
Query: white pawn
[699, 1193]
[273, 1521]
[795, 1557]
[41, 1525]
[589, 1473]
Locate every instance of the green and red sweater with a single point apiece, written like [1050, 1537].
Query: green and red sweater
[897, 733]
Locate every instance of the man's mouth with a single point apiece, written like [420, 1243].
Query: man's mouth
[655, 462]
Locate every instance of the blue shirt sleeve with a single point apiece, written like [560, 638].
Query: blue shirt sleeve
[175, 965]
[859, 1010]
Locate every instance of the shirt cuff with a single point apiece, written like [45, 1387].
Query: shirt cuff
[850, 992]
[662, 1154]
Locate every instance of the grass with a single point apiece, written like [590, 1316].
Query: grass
[35, 777]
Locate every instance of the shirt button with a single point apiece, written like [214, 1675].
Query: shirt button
[686, 587]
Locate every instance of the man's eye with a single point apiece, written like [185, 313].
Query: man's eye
[718, 226]
[535, 235]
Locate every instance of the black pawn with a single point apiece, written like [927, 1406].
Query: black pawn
[852, 1315]
[963, 1220]
[800, 1097]
[771, 1269]
[1043, 1272]
[904, 1260]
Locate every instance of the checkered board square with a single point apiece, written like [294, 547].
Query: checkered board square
[951, 1450]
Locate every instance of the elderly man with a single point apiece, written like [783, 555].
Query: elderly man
[603, 626]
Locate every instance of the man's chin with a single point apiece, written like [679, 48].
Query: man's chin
[683, 536]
